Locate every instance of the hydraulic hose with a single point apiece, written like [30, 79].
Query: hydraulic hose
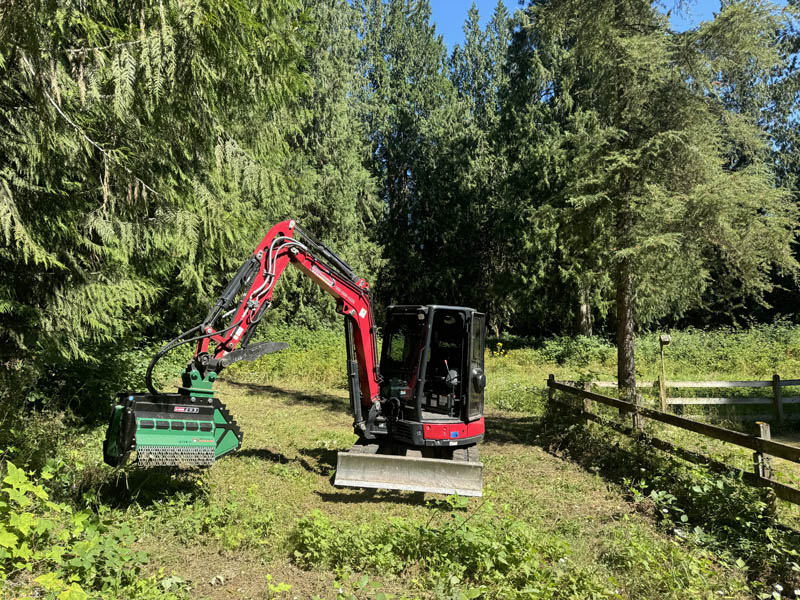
[171, 345]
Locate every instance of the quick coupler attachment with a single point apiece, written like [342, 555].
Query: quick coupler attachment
[169, 430]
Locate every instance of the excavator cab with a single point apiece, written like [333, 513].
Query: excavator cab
[432, 369]
[432, 386]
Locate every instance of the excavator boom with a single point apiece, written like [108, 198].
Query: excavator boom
[415, 428]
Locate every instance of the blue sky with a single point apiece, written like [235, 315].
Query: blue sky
[449, 15]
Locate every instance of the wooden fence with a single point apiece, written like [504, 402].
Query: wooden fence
[776, 400]
[760, 442]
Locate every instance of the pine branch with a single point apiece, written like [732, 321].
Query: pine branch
[106, 154]
[108, 47]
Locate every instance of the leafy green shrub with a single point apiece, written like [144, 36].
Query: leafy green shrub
[664, 568]
[32, 437]
[727, 515]
[224, 523]
[710, 510]
[77, 554]
[494, 556]
[577, 351]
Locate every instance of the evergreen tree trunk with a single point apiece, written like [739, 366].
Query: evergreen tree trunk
[626, 364]
[585, 316]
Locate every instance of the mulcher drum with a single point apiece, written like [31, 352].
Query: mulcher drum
[169, 430]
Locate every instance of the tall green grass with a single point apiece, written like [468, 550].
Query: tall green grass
[315, 358]
[517, 368]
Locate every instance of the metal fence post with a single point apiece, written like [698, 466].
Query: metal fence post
[762, 465]
[777, 395]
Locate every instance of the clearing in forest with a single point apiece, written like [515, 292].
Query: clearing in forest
[269, 515]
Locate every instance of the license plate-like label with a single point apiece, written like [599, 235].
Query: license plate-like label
[186, 409]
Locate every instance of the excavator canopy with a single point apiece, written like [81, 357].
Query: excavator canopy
[433, 387]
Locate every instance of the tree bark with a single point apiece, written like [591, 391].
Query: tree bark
[626, 363]
[585, 316]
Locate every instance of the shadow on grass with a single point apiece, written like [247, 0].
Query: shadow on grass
[329, 401]
[145, 487]
[372, 496]
[514, 430]
[324, 459]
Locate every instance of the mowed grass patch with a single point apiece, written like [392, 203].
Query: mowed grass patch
[271, 509]
[547, 528]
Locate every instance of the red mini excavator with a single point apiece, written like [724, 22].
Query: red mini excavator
[418, 415]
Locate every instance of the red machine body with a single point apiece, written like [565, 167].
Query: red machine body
[406, 416]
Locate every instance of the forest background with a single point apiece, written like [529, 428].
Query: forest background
[577, 167]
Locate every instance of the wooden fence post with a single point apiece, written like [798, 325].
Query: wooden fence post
[662, 392]
[587, 404]
[637, 419]
[762, 465]
[551, 393]
[777, 395]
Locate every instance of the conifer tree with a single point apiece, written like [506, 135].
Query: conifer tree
[637, 146]
[133, 179]
[466, 173]
[402, 62]
[335, 197]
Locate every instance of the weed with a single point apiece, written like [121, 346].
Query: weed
[665, 569]
[458, 555]
[714, 511]
[77, 553]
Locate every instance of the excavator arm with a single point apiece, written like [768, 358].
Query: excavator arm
[170, 441]
[286, 244]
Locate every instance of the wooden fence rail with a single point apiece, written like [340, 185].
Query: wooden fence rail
[761, 443]
[777, 400]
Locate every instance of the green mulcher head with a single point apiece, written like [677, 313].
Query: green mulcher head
[169, 430]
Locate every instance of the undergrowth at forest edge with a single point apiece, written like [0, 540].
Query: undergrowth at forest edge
[717, 528]
[718, 512]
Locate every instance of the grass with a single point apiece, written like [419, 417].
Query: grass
[268, 523]
[225, 530]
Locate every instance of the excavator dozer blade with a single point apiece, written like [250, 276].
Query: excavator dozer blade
[170, 430]
[367, 467]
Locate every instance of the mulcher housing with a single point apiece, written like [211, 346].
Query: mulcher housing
[170, 430]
